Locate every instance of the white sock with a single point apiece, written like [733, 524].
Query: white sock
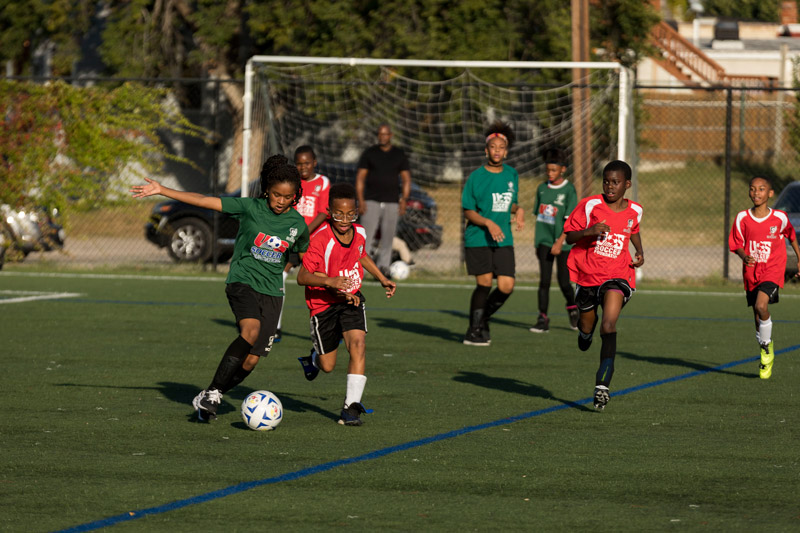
[765, 331]
[280, 316]
[355, 388]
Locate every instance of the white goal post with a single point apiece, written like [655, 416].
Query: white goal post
[253, 150]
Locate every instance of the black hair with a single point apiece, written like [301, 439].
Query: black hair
[341, 189]
[305, 149]
[619, 166]
[503, 129]
[555, 156]
[769, 181]
[276, 170]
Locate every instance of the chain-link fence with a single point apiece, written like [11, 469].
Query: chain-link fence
[697, 149]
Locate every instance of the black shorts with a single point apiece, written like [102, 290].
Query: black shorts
[499, 260]
[769, 288]
[247, 303]
[588, 298]
[328, 326]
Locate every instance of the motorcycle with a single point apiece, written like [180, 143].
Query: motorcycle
[25, 231]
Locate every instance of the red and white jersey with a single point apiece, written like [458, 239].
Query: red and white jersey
[763, 240]
[328, 255]
[315, 198]
[592, 262]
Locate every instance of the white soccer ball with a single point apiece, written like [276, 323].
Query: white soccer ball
[274, 242]
[399, 270]
[262, 411]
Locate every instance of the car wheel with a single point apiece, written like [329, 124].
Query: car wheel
[190, 241]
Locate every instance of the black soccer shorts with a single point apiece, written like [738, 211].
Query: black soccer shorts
[769, 288]
[327, 327]
[588, 298]
[247, 303]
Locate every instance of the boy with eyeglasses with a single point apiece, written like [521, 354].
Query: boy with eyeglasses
[332, 272]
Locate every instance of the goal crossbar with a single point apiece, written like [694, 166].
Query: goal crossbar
[625, 77]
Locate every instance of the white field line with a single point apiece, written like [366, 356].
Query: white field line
[30, 296]
[401, 284]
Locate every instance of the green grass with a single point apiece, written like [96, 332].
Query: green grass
[97, 421]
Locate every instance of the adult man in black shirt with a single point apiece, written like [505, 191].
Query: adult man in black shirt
[379, 200]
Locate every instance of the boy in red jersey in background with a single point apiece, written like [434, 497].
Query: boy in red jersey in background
[601, 227]
[332, 271]
[313, 205]
[757, 237]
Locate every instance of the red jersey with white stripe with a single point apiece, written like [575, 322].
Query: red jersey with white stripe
[763, 240]
[315, 198]
[328, 255]
[592, 262]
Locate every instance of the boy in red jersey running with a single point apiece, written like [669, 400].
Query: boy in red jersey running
[601, 227]
[313, 206]
[757, 237]
[332, 272]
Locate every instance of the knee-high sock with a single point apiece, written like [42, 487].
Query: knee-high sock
[495, 302]
[764, 331]
[477, 303]
[280, 316]
[355, 388]
[231, 362]
[607, 352]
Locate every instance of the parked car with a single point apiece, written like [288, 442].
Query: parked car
[186, 231]
[789, 201]
[23, 231]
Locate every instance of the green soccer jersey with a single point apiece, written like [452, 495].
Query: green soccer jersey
[263, 243]
[491, 195]
[554, 203]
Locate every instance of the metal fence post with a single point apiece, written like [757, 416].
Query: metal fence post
[728, 154]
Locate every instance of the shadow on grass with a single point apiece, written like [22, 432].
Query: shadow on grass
[428, 330]
[686, 363]
[494, 320]
[184, 393]
[513, 386]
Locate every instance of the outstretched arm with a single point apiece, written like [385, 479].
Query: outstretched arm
[192, 198]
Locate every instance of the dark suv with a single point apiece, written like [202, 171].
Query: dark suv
[789, 201]
[186, 231]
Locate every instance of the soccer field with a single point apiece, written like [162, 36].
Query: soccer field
[98, 431]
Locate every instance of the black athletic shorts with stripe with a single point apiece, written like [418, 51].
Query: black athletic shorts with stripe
[588, 298]
[327, 327]
[247, 303]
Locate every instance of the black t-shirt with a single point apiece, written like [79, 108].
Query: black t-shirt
[383, 171]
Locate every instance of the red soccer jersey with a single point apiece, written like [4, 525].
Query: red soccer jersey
[315, 197]
[763, 240]
[593, 262]
[327, 255]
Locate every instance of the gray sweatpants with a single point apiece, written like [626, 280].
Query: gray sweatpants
[385, 214]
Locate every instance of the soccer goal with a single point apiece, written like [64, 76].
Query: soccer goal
[438, 111]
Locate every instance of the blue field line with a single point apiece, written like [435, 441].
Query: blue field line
[324, 467]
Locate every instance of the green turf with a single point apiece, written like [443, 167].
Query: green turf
[96, 418]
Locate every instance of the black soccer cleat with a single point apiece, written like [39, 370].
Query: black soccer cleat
[309, 369]
[351, 415]
[600, 397]
[474, 337]
[206, 404]
[542, 324]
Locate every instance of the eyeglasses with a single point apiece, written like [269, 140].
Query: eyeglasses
[344, 217]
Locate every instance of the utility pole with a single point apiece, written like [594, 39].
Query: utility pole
[581, 117]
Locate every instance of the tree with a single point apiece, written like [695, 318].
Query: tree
[74, 148]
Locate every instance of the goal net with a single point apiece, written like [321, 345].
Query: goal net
[438, 112]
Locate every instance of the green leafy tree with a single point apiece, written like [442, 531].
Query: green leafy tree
[760, 10]
[75, 148]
